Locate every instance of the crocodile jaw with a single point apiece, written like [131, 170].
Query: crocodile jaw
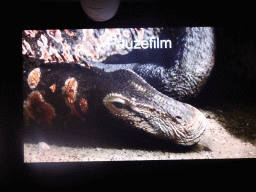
[161, 116]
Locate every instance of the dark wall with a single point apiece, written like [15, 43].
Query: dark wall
[234, 75]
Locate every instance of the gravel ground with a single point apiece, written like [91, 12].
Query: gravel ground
[231, 133]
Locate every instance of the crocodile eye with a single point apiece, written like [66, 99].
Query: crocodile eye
[116, 103]
[119, 105]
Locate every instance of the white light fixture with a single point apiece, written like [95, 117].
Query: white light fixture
[100, 10]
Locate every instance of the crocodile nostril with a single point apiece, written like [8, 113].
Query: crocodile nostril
[178, 117]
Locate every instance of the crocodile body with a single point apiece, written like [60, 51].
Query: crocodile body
[70, 89]
[180, 72]
[135, 93]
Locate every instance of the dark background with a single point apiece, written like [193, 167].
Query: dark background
[233, 79]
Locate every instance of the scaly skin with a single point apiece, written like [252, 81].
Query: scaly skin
[69, 89]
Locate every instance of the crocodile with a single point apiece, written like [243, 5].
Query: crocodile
[123, 93]
[180, 72]
[148, 97]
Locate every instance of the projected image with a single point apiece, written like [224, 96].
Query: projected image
[121, 94]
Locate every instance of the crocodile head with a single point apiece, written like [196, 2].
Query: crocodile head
[133, 100]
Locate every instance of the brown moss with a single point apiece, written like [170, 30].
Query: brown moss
[34, 78]
[53, 87]
[38, 109]
[70, 89]
[83, 104]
